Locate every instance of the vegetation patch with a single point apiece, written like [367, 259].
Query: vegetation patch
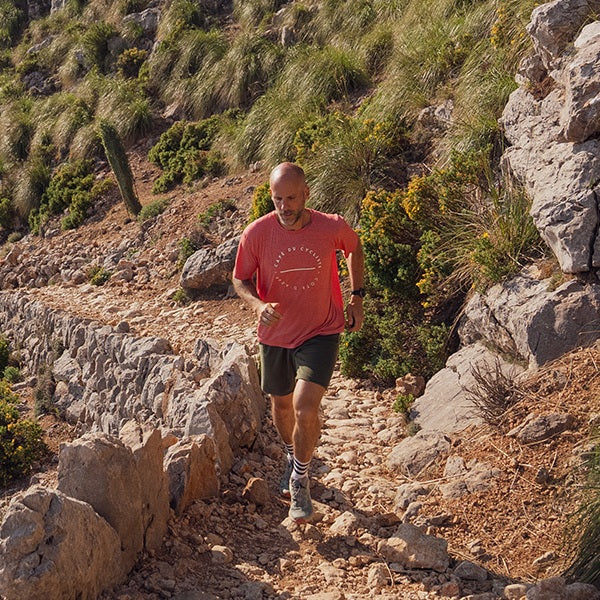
[153, 209]
[184, 154]
[73, 187]
[21, 440]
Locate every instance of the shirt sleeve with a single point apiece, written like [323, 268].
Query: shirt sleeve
[347, 239]
[246, 262]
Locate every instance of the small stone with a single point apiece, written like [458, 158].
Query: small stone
[221, 555]
[515, 591]
[312, 533]
[378, 576]
[257, 491]
[470, 571]
[544, 559]
[345, 524]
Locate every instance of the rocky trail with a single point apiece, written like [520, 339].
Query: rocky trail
[489, 511]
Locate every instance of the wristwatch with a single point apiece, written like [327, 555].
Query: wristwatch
[359, 292]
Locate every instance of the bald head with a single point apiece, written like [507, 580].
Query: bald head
[287, 171]
[289, 193]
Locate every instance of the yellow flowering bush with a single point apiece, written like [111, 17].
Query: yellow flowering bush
[390, 240]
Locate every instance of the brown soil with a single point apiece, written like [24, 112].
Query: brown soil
[522, 516]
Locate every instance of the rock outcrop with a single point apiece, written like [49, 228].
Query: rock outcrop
[209, 266]
[54, 546]
[527, 319]
[551, 121]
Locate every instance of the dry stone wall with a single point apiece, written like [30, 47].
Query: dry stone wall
[105, 377]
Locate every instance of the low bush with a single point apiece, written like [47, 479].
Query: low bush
[180, 297]
[72, 187]
[21, 440]
[183, 152]
[12, 374]
[402, 403]
[98, 275]
[43, 393]
[130, 62]
[95, 44]
[4, 352]
[262, 203]
[6, 213]
[187, 247]
[153, 209]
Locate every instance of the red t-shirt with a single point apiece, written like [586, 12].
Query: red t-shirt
[297, 269]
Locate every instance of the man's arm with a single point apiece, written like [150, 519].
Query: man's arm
[356, 269]
[265, 311]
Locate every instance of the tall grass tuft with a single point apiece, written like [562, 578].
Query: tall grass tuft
[117, 158]
[311, 79]
[586, 526]
[128, 109]
[239, 78]
[95, 44]
[31, 182]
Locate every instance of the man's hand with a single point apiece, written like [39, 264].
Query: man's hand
[354, 314]
[268, 314]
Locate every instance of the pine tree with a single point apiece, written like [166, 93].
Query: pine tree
[117, 158]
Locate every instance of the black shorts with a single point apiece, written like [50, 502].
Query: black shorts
[313, 361]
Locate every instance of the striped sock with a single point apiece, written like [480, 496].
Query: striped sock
[289, 448]
[300, 469]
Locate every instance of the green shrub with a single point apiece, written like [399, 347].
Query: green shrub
[12, 374]
[21, 440]
[71, 187]
[402, 403]
[183, 152]
[153, 209]
[11, 18]
[43, 393]
[130, 62]
[477, 231]
[262, 203]
[6, 213]
[180, 297]
[13, 237]
[389, 345]
[215, 211]
[98, 275]
[30, 185]
[390, 241]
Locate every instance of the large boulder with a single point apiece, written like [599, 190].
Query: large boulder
[209, 266]
[54, 547]
[554, 25]
[414, 454]
[560, 177]
[581, 78]
[446, 405]
[100, 470]
[527, 319]
[228, 406]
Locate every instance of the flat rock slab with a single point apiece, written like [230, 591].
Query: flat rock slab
[445, 406]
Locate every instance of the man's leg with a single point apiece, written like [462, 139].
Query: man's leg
[282, 410]
[307, 428]
[307, 398]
